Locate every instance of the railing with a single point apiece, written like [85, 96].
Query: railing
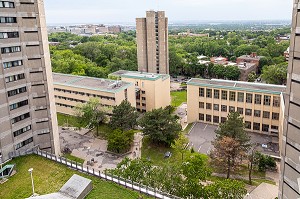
[116, 179]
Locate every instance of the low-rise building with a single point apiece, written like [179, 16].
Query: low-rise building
[210, 101]
[248, 64]
[71, 90]
[219, 60]
[152, 91]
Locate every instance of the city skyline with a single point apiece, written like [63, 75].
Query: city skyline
[191, 10]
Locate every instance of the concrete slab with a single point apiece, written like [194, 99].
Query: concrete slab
[264, 191]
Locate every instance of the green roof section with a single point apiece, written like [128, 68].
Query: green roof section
[238, 85]
[138, 75]
[90, 83]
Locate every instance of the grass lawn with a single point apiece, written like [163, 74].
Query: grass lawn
[66, 120]
[49, 177]
[178, 97]
[73, 158]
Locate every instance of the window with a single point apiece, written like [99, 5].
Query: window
[7, 35]
[8, 19]
[249, 97]
[240, 110]
[224, 108]
[16, 91]
[6, 4]
[276, 101]
[216, 119]
[12, 64]
[18, 105]
[208, 106]
[20, 118]
[240, 97]
[266, 114]
[248, 125]
[143, 98]
[231, 109]
[275, 116]
[201, 92]
[22, 130]
[257, 113]
[224, 95]
[216, 107]
[257, 99]
[223, 119]
[208, 118]
[208, 93]
[256, 126]
[248, 112]
[201, 104]
[231, 96]
[201, 117]
[274, 127]
[11, 49]
[143, 92]
[265, 128]
[24, 143]
[267, 100]
[14, 78]
[217, 94]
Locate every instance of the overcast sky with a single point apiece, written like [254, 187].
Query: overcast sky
[109, 11]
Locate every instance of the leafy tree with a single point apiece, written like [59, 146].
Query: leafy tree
[120, 141]
[180, 144]
[124, 116]
[232, 72]
[264, 162]
[90, 114]
[160, 126]
[252, 77]
[275, 74]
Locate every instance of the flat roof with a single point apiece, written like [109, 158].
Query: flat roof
[238, 85]
[140, 75]
[91, 83]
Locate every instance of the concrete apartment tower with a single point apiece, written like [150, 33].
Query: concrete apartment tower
[152, 43]
[290, 165]
[27, 107]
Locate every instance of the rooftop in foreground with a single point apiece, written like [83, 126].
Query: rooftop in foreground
[238, 85]
[139, 75]
[97, 84]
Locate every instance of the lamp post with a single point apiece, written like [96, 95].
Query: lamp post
[30, 171]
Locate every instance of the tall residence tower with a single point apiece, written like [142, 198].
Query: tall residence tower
[290, 165]
[27, 107]
[152, 43]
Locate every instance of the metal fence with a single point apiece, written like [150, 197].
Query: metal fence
[91, 171]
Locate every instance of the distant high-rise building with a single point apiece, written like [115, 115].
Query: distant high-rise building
[27, 107]
[152, 43]
[290, 165]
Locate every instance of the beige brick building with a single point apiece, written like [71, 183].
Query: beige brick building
[152, 43]
[289, 185]
[27, 109]
[152, 91]
[210, 101]
[71, 90]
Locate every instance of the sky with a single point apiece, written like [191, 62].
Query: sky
[125, 11]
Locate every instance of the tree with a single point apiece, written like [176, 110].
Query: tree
[124, 116]
[120, 141]
[252, 77]
[275, 74]
[160, 126]
[90, 114]
[180, 144]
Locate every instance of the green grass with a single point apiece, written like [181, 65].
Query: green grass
[188, 128]
[50, 176]
[73, 158]
[66, 120]
[178, 97]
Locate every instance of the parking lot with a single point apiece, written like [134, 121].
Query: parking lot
[201, 136]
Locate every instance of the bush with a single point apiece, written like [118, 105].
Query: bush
[119, 141]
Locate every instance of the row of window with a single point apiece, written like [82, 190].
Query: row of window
[11, 49]
[248, 112]
[7, 35]
[22, 130]
[239, 96]
[20, 118]
[17, 91]
[248, 124]
[24, 143]
[14, 78]
[12, 64]
[82, 93]
[7, 4]
[70, 99]
[8, 19]
[64, 105]
[18, 105]
[138, 104]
